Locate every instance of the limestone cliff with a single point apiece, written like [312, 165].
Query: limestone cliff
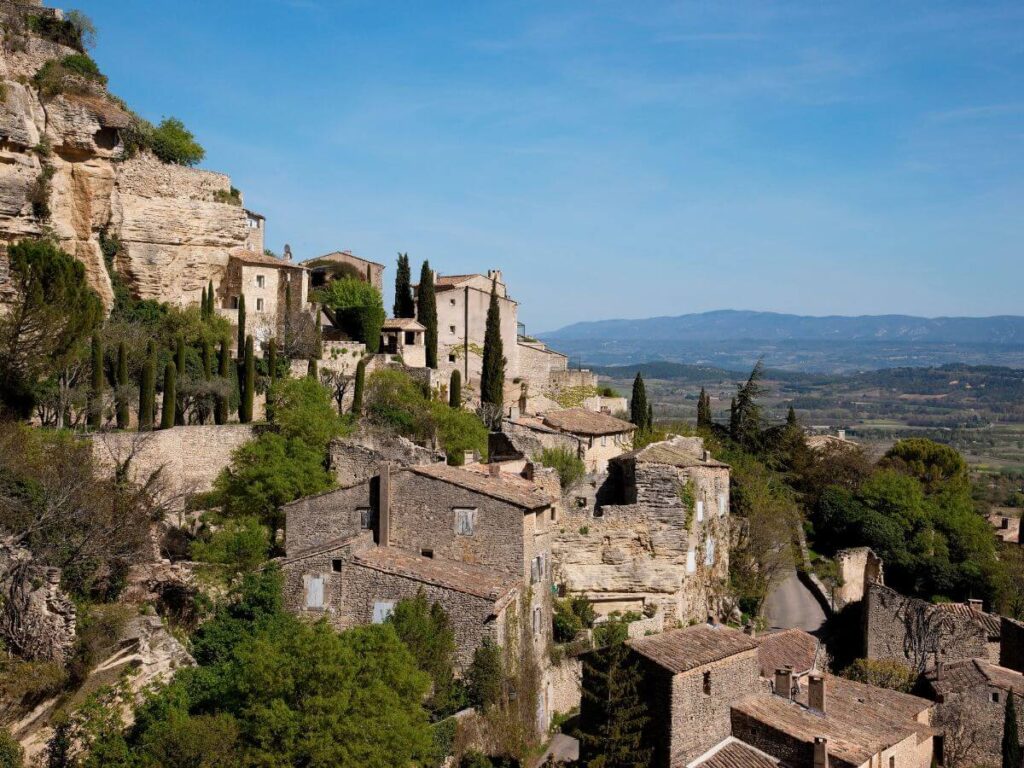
[64, 172]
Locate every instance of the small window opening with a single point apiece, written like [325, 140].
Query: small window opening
[259, 305]
[336, 566]
[451, 358]
[429, 553]
[260, 281]
[995, 697]
[707, 683]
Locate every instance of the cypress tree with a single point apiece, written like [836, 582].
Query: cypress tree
[639, 410]
[734, 420]
[248, 384]
[404, 304]
[357, 390]
[791, 420]
[650, 416]
[96, 391]
[220, 413]
[613, 714]
[207, 360]
[704, 418]
[179, 364]
[123, 413]
[312, 370]
[170, 396]
[455, 390]
[492, 378]
[209, 302]
[272, 360]
[426, 313]
[241, 326]
[288, 318]
[147, 389]
[1011, 745]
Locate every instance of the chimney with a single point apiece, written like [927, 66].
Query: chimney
[841, 433]
[816, 693]
[706, 455]
[750, 630]
[494, 469]
[384, 504]
[820, 752]
[784, 682]
[528, 471]
[287, 252]
[975, 604]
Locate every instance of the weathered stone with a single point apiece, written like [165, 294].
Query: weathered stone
[37, 620]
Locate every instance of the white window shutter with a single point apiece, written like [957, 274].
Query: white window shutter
[700, 511]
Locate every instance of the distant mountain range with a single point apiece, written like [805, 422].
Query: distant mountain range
[733, 340]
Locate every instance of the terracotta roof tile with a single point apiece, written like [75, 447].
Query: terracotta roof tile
[457, 576]
[788, 648]
[403, 324]
[680, 650]
[960, 676]
[673, 455]
[261, 259]
[333, 256]
[733, 753]
[580, 421]
[508, 488]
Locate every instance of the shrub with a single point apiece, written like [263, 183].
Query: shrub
[569, 466]
[484, 676]
[394, 401]
[303, 410]
[241, 545]
[11, 753]
[459, 431]
[233, 197]
[426, 631]
[357, 309]
[173, 143]
[75, 73]
[565, 623]
[883, 673]
[70, 31]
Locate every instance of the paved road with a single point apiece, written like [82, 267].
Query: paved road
[564, 749]
[791, 604]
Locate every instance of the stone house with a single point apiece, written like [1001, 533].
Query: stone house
[972, 693]
[601, 437]
[654, 536]
[917, 633]
[322, 268]
[404, 336]
[255, 232]
[264, 281]
[479, 542]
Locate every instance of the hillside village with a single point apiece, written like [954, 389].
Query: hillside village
[228, 474]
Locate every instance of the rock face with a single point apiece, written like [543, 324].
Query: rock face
[174, 229]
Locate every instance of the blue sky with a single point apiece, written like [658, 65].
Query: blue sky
[616, 159]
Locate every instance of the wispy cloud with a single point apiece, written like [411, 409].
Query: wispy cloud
[979, 112]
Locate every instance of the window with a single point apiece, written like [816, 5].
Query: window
[892, 761]
[700, 511]
[260, 281]
[410, 337]
[465, 521]
[427, 553]
[995, 697]
[709, 551]
[314, 591]
[604, 440]
[366, 520]
[381, 610]
[581, 502]
[538, 621]
[451, 329]
[336, 566]
[691, 561]
[259, 305]
[722, 507]
[451, 358]
[554, 514]
[234, 302]
[707, 684]
[537, 569]
[452, 302]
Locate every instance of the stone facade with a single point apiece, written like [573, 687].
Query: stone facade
[359, 457]
[538, 364]
[858, 567]
[1011, 644]
[264, 282]
[372, 271]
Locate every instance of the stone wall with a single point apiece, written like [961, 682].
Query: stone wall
[316, 520]
[359, 457]
[530, 443]
[536, 364]
[563, 685]
[1011, 644]
[191, 456]
[857, 568]
[982, 718]
[454, 308]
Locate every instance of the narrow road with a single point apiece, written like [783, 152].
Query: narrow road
[791, 604]
[563, 749]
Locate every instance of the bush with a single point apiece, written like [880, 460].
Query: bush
[173, 143]
[71, 31]
[459, 431]
[357, 309]
[303, 410]
[240, 544]
[572, 616]
[427, 632]
[75, 73]
[11, 753]
[883, 673]
[484, 676]
[569, 466]
[394, 401]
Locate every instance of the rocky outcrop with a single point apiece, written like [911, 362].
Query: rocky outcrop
[175, 225]
[37, 620]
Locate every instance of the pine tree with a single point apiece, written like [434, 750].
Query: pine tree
[240, 349]
[272, 361]
[179, 364]
[147, 390]
[220, 413]
[248, 383]
[404, 304]
[613, 714]
[357, 389]
[492, 377]
[426, 313]
[704, 418]
[123, 412]
[170, 396]
[639, 409]
[96, 390]
[1011, 744]
[455, 390]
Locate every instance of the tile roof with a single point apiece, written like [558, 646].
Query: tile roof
[849, 694]
[666, 452]
[989, 622]
[509, 488]
[467, 578]
[787, 648]
[449, 281]
[333, 256]
[680, 650]
[403, 324]
[733, 753]
[960, 676]
[326, 546]
[261, 259]
[580, 421]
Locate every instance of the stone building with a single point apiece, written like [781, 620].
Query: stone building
[654, 536]
[478, 542]
[917, 633]
[403, 336]
[264, 281]
[256, 231]
[324, 268]
[600, 436]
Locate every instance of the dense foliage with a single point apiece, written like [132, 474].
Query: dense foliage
[492, 376]
[426, 312]
[569, 466]
[356, 307]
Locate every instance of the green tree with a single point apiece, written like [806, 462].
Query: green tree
[11, 753]
[240, 543]
[241, 326]
[1011, 743]
[485, 675]
[613, 714]
[303, 410]
[358, 387]
[404, 304]
[455, 390]
[96, 389]
[745, 427]
[170, 396]
[182, 372]
[356, 307]
[248, 383]
[458, 431]
[287, 317]
[639, 411]
[426, 312]
[569, 466]
[704, 417]
[123, 413]
[734, 421]
[147, 390]
[882, 673]
[207, 360]
[173, 143]
[220, 414]
[272, 361]
[312, 371]
[492, 377]
[427, 632]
